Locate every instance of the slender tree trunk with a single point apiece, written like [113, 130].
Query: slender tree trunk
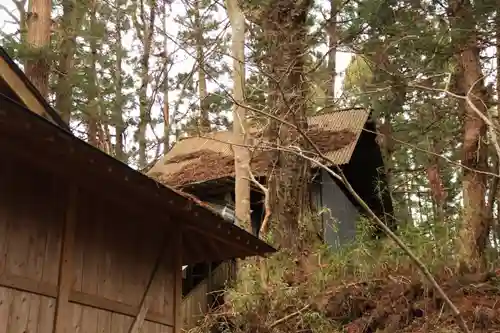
[166, 107]
[388, 107]
[473, 233]
[93, 94]
[240, 126]
[332, 55]
[204, 121]
[435, 182]
[166, 118]
[65, 69]
[119, 102]
[146, 36]
[284, 32]
[434, 168]
[493, 196]
[38, 38]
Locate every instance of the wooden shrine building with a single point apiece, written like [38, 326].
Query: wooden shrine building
[88, 244]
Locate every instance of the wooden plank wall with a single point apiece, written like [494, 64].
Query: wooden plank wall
[195, 304]
[104, 278]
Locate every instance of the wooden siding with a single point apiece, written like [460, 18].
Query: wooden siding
[102, 273]
[196, 303]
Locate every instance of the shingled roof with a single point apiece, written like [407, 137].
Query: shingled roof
[200, 159]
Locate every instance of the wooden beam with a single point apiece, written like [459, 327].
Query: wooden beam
[177, 266]
[76, 297]
[146, 299]
[128, 310]
[62, 312]
[28, 285]
[19, 87]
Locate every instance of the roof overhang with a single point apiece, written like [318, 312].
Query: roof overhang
[206, 236]
[17, 81]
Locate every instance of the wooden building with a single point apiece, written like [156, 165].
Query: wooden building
[88, 244]
[204, 167]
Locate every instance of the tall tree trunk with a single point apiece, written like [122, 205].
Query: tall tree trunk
[166, 107]
[473, 233]
[145, 32]
[119, 100]
[388, 107]
[38, 37]
[332, 53]
[65, 69]
[240, 126]
[284, 32]
[93, 90]
[434, 167]
[204, 121]
[495, 226]
[435, 181]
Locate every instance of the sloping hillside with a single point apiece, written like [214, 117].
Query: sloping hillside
[365, 288]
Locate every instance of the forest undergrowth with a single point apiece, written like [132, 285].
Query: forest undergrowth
[367, 286]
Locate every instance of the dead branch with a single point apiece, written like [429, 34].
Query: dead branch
[290, 316]
[267, 206]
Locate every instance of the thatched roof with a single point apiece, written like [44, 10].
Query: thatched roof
[200, 159]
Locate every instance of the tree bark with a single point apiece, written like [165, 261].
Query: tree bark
[145, 32]
[166, 107]
[65, 69]
[204, 121]
[493, 195]
[284, 33]
[332, 53]
[93, 89]
[119, 100]
[240, 126]
[436, 182]
[38, 37]
[473, 233]
[388, 107]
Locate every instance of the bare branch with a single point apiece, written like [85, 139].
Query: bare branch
[291, 315]
[340, 176]
[492, 129]
[10, 13]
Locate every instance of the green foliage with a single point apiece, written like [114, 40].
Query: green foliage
[298, 286]
[358, 73]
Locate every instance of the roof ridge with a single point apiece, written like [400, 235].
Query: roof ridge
[309, 117]
[202, 137]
